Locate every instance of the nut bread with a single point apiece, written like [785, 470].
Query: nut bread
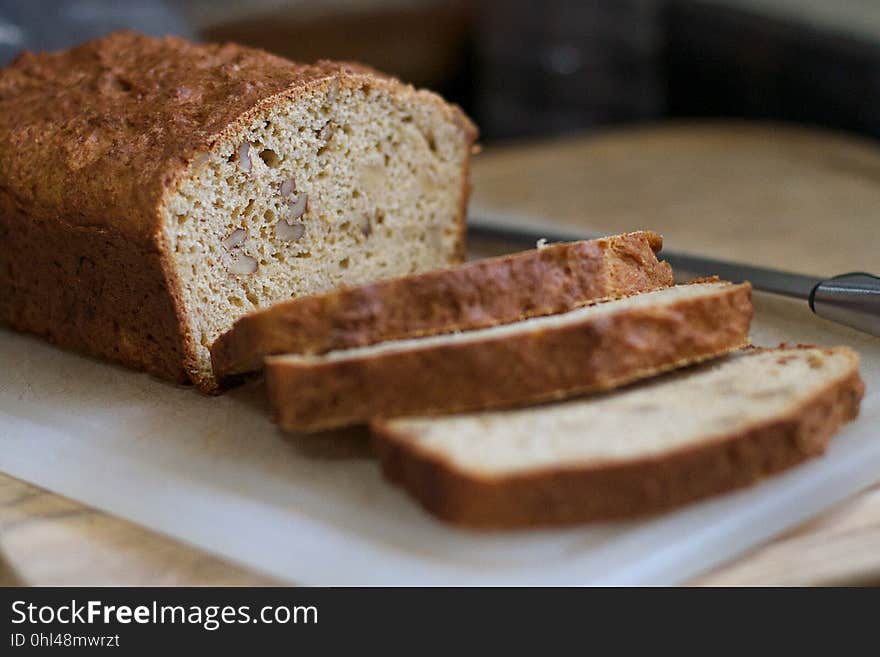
[646, 449]
[587, 349]
[152, 191]
[475, 295]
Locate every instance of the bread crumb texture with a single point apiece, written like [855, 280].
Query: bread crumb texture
[351, 184]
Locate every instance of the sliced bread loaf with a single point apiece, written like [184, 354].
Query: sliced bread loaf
[478, 294]
[152, 191]
[590, 348]
[642, 450]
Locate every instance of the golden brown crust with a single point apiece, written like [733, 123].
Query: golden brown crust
[612, 492]
[93, 140]
[510, 370]
[476, 295]
[471, 133]
[92, 136]
[94, 292]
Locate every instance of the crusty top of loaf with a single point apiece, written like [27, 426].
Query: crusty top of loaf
[95, 134]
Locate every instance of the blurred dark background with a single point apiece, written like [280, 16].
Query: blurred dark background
[540, 67]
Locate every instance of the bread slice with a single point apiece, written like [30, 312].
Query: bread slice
[152, 191]
[591, 348]
[478, 294]
[642, 450]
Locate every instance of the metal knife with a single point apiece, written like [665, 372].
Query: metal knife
[852, 299]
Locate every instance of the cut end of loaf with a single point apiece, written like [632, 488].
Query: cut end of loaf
[356, 178]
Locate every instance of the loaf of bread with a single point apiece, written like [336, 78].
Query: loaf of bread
[591, 348]
[153, 191]
[478, 294]
[646, 449]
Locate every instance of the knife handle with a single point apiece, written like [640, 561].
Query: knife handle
[851, 299]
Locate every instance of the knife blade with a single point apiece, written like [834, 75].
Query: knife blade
[852, 299]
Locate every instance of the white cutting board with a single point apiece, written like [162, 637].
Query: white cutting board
[216, 473]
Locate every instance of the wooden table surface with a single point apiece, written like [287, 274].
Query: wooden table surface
[777, 196]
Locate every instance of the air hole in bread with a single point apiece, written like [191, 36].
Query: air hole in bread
[270, 158]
